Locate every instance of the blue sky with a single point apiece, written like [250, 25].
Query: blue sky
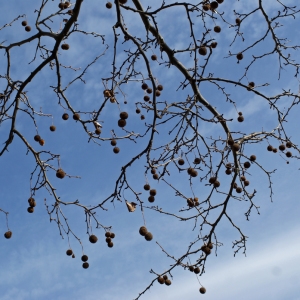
[34, 264]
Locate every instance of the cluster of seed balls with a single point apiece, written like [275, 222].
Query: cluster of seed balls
[164, 280]
[147, 234]
[191, 171]
[84, 258]
[32, 205]
[213, 6]
[282, 147]
[93, 239]
[108, 237]
[152, 193]
[27, 27]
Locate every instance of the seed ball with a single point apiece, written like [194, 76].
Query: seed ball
[76, 117]
[65, 116]
[30, 209]
[220, 1]
[107, 234]
[274, 150]
[210, 245]
[84, 258]
[206, 7]
[238, 21]
[214, 5]
[65, 47]
[60, 173]
[69, 252]
[282, 147]
[252, 157]
[217, 29]
[137, 110]
[42, 142]
[228, 171]
[212, 180]
[160, 280]
[251, 84]
[165, 277]
[144, 86]
[240, 118]
[155, 176]
[230, 142]
[153, 57]
[196, 270]
[228, 166]
[194, 173]
[239, 190]
[288, 154]
[146, 98]
[288, 144]
[116, 150]
[216, 184]
[202, 290]
[235, 185]
[148, 236]
[27, 28]
[270, 148]
[85, 265]
[8, 234]
[37, 138]
[181, 162]
[143, 230]
[202, 50]
[93, 239]
[246, 182]
[24, 23]
[151, 199]
[108, 5]
[31, 202]
[108, 240]
[112, 235]
[52, 128]
[113, 142]
[110, 244]
[239, 56]
[160, 87]
[191, 268]
[168, 282]
[214, 44]
[122, 123]
[247, 164]
[152, 192]
[197, 161]
[123, 115]
[153, 171]
[66, 4]
[149, 90]
[61, 5]
[206, 250]
[243, 178]
[235, 147]
[190, 202]
[142, 117]
[97, 131]
[157, 93]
